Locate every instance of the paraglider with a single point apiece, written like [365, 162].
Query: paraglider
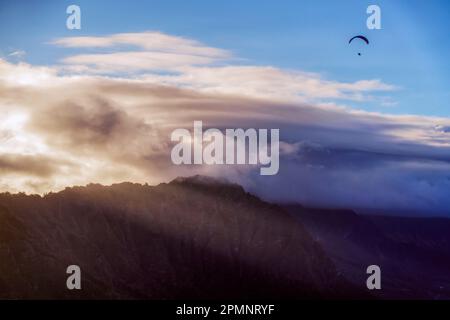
[359, 37]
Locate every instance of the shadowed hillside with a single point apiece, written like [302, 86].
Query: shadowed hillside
[192, 238]
[413, 253]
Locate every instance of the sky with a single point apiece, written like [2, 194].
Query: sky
[98, 104]
[409, 52]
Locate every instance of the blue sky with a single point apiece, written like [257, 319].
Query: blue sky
[410, 52]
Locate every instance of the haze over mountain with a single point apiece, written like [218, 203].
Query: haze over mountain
[413, 253]
[200, 237]
[191, 238]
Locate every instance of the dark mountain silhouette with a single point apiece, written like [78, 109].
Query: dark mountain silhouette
[413, 253]
[192, 238]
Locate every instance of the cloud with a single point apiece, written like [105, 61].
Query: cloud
[74, 128]
[150, 41]
[35, 165]
[442, 129]
[175, 61]
[19, 54]
[269, 82]
[367, 182]
[135, 61]
[154, 51]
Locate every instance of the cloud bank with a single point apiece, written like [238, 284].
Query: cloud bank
[107, 117]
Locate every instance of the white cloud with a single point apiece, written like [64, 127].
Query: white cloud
[139, 52]
[25, 74]
[17, 54]
[268, 82]
[135, 61]
[185, 63]
[150, 41]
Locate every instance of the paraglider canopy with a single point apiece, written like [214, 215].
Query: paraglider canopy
[359, 37]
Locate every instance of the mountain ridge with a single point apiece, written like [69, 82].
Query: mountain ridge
[192, 238]
[204, 238]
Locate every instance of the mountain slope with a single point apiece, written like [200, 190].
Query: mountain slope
[413, 253]
[191, 238]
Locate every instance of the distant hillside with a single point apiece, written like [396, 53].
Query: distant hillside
[413, 253]
[192, 238]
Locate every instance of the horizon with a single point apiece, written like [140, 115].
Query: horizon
[222, 181]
